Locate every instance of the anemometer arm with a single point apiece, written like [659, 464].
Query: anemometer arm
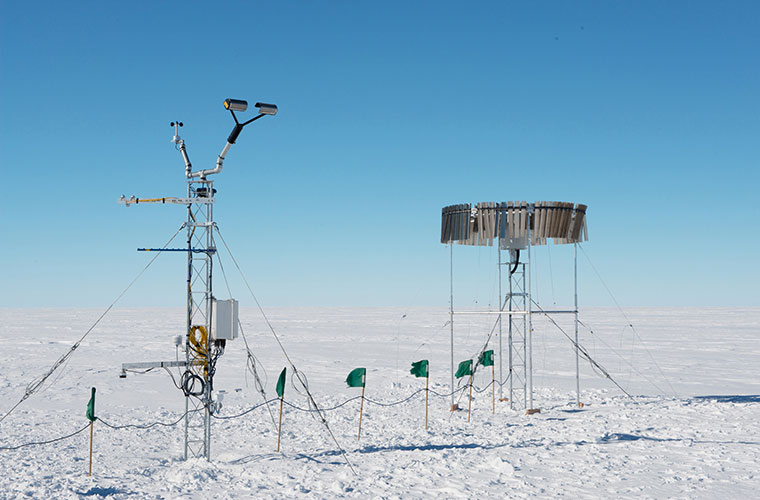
[181, 146]
[183, 150]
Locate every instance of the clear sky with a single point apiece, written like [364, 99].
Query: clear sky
[648, 112]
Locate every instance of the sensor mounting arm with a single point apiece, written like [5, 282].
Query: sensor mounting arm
[232, 105]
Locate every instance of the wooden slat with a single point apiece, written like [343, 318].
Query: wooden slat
[456, 224]
[541, 210]
[557, 220]
[509, 220]
[563, 219]
[581, 216]
[492, 221]
[487, 239]
[502, 220]
[444, 220]
[464, 222]
[573, 223]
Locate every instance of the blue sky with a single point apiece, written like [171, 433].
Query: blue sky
[648, 112]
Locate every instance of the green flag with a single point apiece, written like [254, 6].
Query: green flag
[465, 368]
[281, 383]
[356, 377]
[486, 358]
[420, 368]
[91, 407]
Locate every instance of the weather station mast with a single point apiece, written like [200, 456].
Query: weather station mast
[210, 323]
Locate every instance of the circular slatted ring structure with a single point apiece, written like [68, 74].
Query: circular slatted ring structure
[514, 224]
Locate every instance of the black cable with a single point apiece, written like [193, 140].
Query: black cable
[34, 443]
[188, 381]
[448, 394]
[484, 388]
[148, 426]
[174, 381]
[249, 410]
[319, 410]
[238, 415]
[378, 403]
[517, 262]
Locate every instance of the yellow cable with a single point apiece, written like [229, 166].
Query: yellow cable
[199, 346]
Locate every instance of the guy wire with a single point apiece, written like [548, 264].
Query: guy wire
[282, 348]
[35, 384]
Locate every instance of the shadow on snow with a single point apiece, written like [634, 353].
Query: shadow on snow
[734, 398]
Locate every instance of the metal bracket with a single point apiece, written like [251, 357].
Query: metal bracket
[152, 364]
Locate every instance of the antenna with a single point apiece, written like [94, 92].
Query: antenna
[516, 226]
[210, 322]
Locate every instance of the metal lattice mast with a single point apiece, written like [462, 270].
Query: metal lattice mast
[517, 302]
[200, 249]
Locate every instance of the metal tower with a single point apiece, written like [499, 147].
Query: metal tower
[198, 347]
[209, 322]
[515, 227]
[517, 299]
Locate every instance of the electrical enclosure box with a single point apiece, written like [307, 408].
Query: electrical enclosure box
[224, 319]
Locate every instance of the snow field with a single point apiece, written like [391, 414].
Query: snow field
[701, 442]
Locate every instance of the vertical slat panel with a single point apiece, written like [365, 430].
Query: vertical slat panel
[503, 220]
[571, 229]
[568, 221]
[457, 223]
[491, 221]
[518, 220]
[443, 225]
[555, 220]
[464, 222]
[541, 210]
[561, 226]
[581, 222]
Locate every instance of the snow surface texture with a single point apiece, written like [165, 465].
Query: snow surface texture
[693, 434]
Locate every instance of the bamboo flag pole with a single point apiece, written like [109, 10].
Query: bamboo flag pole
[420, 369]
[493, 390]
[89, 473]
[361, 411]
[358, 378]
[92, 418]
[279, 427]
[469, 403]
[427, 384]
[465, 368]
[280, 392]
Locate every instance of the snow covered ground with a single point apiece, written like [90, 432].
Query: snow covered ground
[692, 429]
